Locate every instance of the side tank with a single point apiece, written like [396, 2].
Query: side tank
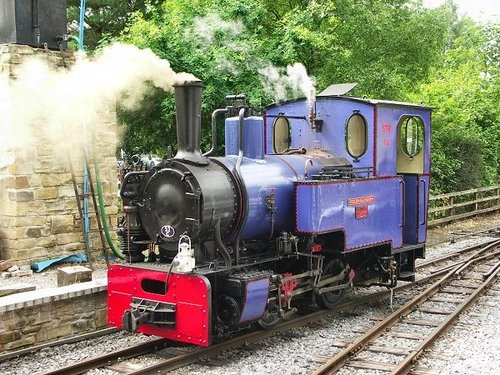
[253, 136]
[267, 180]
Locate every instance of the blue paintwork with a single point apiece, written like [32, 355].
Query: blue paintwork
[410, 230]
[323, 207]
[417, 198]
[253, 136]
[335, 111]
[257, 292]
[301, 133]
[387, 140]
[423, 203]
[274, 173]
[331, 139]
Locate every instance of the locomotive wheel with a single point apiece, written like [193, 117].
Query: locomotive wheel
[228, 311]
[269, 319]
[329, 300]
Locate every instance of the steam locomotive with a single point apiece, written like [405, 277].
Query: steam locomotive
[311, 198]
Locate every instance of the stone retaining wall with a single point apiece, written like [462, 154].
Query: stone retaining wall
[45, 315]
[38, 212]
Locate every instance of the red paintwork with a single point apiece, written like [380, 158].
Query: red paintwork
[289, 286]
[191, 294]
[316, 248]
[361, 212]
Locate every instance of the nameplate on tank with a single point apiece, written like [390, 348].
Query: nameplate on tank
[361, 201]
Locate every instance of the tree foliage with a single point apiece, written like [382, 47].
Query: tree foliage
[386, 46]
[394, 49]
[105, 19]
[465, 91]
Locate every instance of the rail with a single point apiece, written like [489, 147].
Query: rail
[444, 208]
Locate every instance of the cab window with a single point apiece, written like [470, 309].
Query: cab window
[281, 135]
[356, 135]
[412, 136]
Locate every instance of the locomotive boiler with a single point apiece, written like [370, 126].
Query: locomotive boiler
[309, 200]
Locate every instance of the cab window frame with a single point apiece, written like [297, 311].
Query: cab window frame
[347, 130]
[289, 132]
[418, 132]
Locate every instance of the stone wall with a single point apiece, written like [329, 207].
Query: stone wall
[39, 218]
[42, 316]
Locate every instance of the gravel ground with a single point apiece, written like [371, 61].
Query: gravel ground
[447, 233]
[52, 358]
[473, 342]
[471, 347]
[48, 277]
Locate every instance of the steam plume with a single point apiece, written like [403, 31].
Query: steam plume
[279, 83]
[59, 103]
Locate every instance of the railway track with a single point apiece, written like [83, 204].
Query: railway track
[170, 358]
[456, 256]
[182, 359]
[454, 292]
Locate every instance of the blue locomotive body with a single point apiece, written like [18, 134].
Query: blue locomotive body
[379, 196]
[309, 200]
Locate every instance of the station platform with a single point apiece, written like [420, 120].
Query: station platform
[49, 314]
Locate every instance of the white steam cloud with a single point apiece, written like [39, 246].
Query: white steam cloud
[206, 28]
[57, 103]
[280, 83]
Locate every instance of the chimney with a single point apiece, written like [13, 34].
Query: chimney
[188, 114]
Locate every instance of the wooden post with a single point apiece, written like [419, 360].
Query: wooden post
[452, 204]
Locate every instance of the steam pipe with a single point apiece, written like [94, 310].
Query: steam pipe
[237, 171]
[241, 116]
[105, 227]
[214, 130]
[79, 205]
[312, 103]
[225, 253]
[271, 234]
[36, 21]
[308, 162]
[81, 25]
[99, 224]
[86, 218]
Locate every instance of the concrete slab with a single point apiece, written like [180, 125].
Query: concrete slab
[73, 275]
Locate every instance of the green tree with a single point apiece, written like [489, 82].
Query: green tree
[105, 19]
[465, 92]
[386, 46]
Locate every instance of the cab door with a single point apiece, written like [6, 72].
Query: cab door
[412, 163]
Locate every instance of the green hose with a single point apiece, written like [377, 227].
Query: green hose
[111, 244]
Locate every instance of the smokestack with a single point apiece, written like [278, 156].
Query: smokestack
[188, 114]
